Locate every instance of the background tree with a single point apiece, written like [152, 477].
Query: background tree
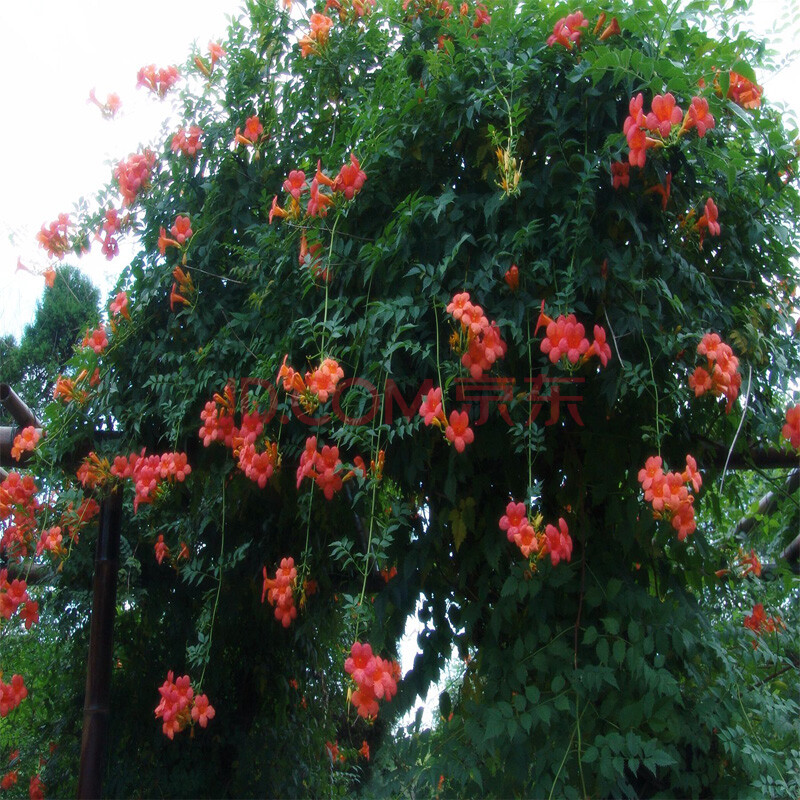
[47, 344]
[440, 147]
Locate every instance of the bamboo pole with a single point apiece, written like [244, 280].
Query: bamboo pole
[96, 709]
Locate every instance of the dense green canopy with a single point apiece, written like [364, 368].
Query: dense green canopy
[621, 668]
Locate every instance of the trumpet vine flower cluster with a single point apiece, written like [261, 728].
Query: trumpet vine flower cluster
[14, 598]
[53, 237]
[375, 678]
[188, 141]
[25, 441]
[456, 430]
[721, 374]
[158, 81]
[669, 496]
[526, 532]
[348, 182]
[791, 430]
[12, 694]
[279, 591]
[133, 175]
[479, 340]
[643, 131]
[179, 707]
[257, 461]
[565, 341]
[322, 466]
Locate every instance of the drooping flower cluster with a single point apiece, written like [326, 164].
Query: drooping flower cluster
[110, 107]
[25, 441]
[512, 277]
[112, 224]
[565, 340]
[317, 37]
[721, 377]
[187, 142]
[348, 182]
[279, 591]
[319, 384]
[181, 231]
[322, 466]
[456, 430]
[375, 678]
[744, 92]
[708, 221]
[158, 81]
[253, 130]
[656, 127]
[148, 472]
[179, 707]
[350, 9]
[669, 495]
[119, 307]
[479, 340]
[12, 694]
[567, 31]
[182, 288]
[14, 598]
[522, 531]
[215, 53]
[760, 623]
[258, 462]
[19, 505]
[96, 340]
[133, 175]
[791, 430]
[53, 237]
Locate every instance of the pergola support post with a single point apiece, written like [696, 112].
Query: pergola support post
[96, 709]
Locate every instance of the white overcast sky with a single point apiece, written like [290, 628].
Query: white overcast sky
[59, 148]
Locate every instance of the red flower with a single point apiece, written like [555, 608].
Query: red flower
[187, 142]
[158, 81]
[458, 431]
[202, 711]
[162, 551]
[36, 788]
[697, 116]
[96, 340]
[481, 16]
[295, 184]
[181, 229]
[568, 30]
[9, 779]
[664, 114]
[791, 430]
[431, 408]
[559, 543]
[364, 750]
[110, 107]
[119, 306]
[512, 278]
[133, 175]
[350, 178]
[620, 174]
[743, 92]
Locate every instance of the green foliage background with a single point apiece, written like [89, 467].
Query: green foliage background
[626, 672]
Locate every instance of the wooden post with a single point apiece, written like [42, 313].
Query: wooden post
[96, 709]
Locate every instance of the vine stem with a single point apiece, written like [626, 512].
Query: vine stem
[371, 520]
[328, 283]
[438, 362]
[655, 394]
[739, 429]
[219, 588]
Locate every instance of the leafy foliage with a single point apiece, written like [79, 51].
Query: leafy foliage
[626, 671]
